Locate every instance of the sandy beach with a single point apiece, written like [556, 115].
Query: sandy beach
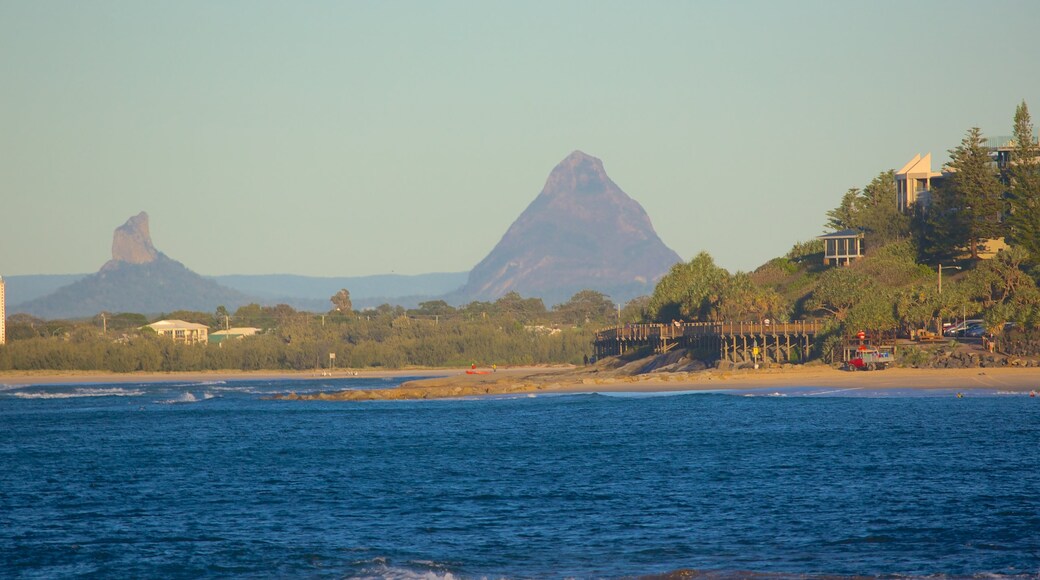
[446, 383]
[591, 380]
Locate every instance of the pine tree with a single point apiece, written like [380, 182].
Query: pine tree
[974, 191]
[1024, 187]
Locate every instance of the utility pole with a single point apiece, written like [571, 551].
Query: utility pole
[104, 324]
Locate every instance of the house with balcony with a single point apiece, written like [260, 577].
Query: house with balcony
[841, 248]
[180, 331]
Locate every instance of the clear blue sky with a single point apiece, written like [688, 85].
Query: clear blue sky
[355, 138]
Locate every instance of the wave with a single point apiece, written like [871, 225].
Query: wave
[381, 568]
[656, 394]
[78, 393]
[197, 384]
[188, 397]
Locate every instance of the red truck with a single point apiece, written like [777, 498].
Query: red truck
[869, 360]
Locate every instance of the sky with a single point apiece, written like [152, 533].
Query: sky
[358, 138]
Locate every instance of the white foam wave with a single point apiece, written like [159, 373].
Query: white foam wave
[199, 384]
[657, 394]
[423, 570]
[232, 389]
[188, 397]
[78, 393]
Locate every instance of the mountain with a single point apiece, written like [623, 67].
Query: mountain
[581, 232]
[309, 293]
[138, 278]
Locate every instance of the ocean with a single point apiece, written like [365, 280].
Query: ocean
[190, 480]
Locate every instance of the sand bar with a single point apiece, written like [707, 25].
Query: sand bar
[450, 383]
[592, 381]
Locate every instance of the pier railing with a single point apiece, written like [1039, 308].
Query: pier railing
[735, 340]
[675, 330]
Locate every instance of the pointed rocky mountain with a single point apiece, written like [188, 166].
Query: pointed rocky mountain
[138, 279]
[132, 242]
[581, 232]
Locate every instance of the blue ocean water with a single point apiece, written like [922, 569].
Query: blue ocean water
[187, 480]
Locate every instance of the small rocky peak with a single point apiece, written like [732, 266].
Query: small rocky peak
[132, 242]
[578, 173]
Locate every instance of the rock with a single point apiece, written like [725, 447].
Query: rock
[138, 278]
[132, 242]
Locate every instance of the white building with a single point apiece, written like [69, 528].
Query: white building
[181, 331]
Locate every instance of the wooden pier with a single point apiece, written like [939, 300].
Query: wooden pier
[733, 341]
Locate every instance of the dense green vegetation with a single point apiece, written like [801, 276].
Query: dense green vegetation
[511, 330]
[897, 288]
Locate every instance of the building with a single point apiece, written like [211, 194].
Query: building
[181, 331]
[914, 182]
[3, 313]
[240, 332]
[840, 248]
[1002, 147]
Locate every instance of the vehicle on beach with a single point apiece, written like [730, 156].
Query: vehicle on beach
[869, 360]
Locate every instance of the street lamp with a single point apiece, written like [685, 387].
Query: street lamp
[940, 275]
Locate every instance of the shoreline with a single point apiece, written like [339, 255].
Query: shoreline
[30, 378]
[1020, 380]
[455, 383]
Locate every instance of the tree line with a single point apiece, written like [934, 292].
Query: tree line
[509, 331]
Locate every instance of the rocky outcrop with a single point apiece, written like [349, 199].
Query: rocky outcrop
[138, 279]
[581, 232]
[132, 242]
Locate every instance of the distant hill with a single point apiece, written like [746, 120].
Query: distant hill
[313, 293]
[301, 292]
[162, 285]
[581, 232]
[138, 278]
[28, 287]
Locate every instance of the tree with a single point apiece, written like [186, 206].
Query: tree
[689, 291]
[635, 310]
[873, 211]
[838, 290]
[742, 299]
[434, 308]
[1023, 175]
[845, 215]
[520, 309]
[586, 306]
[341, 301]
[939, 229]
[975, 192]
[879, 217]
